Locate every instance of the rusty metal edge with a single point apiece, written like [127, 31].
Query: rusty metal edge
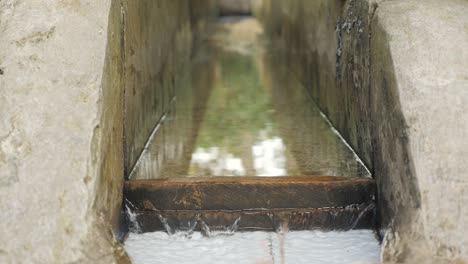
[245, 180]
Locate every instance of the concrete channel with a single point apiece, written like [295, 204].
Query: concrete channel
[121, 119]
[253, 137]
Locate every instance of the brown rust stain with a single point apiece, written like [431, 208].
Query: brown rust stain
[148, 205]
[133, 184]
[212, 193]
[190, 198]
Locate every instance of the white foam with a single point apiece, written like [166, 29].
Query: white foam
[311, 247]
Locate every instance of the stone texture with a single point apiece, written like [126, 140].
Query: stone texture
[419, 53]
[65, 70]
[391, 77]
[53, 122]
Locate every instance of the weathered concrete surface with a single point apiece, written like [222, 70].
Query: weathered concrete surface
[327, 45]
[172, 124]
[259, 203]
[419, 54]
[340, 218]
[242, 193]
[63, 81]
[391, 76]
[151, 70]
[55, 132]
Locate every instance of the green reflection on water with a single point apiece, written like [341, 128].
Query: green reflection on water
[238, 106]
[244, 114]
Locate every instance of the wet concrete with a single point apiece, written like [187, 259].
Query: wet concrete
[208, 221]
[244, 145]
[243, 114]
[250, 203]
[242, 193]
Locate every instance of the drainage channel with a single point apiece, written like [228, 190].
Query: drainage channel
[254, 154]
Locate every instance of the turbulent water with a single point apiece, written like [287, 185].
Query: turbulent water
[311, 247]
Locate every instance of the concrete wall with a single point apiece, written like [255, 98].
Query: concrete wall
[76, 78]
[158, 120]
[391, 76]
[419, 54]
[56, 131]
[156, 45]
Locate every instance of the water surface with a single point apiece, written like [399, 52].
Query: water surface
[302, 247]
[242, 112]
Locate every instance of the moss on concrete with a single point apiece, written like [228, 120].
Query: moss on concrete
[388, 74]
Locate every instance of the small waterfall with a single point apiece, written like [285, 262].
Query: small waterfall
[333, 215]
[220, 223]
[134, 227]
[186, 230]
[205, 229]
[166, 225]
[361, 215]
[233, 228]
[210, 231]
[191, 225]
[180, 226]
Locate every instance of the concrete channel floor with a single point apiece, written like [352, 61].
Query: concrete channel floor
[242, 115]
[255, 130]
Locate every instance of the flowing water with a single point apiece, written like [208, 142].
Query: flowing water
[311, 247]
[242, 112]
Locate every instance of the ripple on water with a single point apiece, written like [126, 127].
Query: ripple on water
[357, 246]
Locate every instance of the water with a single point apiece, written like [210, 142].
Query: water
[230, 221]
[256, 247]
[243, 113]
